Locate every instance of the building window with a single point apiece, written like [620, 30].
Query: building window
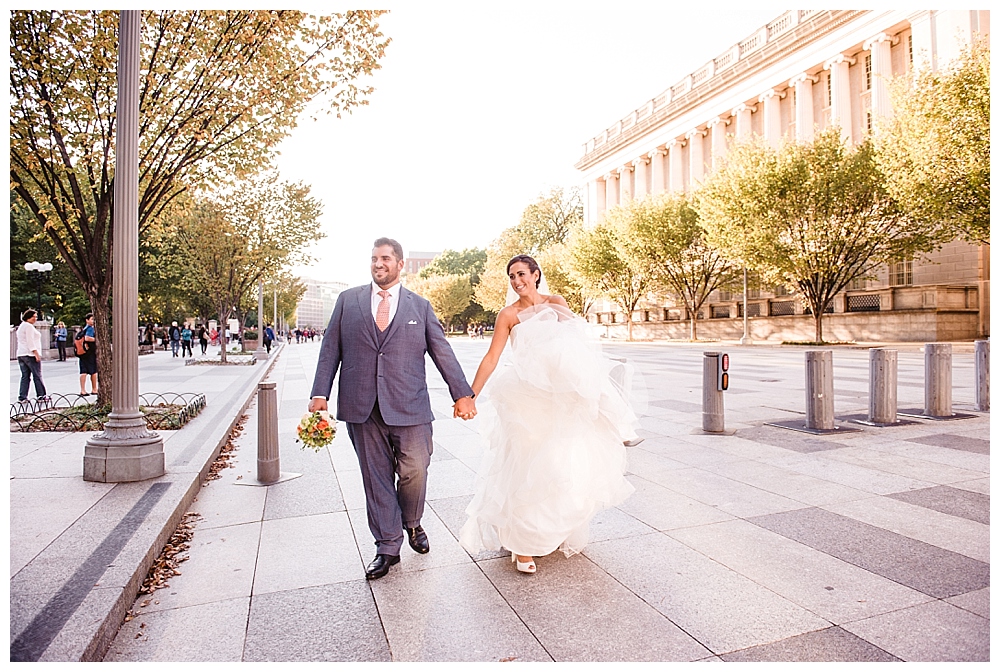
[868, 72]
[780, 290]
[901, 274]
[725, 295]
[909, 47]
[857, 284]
[868, 120]
[829, 89]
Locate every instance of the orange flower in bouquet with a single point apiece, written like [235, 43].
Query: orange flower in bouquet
[316, 430]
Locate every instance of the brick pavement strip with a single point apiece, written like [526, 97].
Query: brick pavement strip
[763, 545]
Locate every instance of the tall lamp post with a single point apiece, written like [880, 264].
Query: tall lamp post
[37, 273]
[260, 352]
[126, 450]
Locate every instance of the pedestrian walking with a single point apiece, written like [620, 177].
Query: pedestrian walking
[87, 354]
[202, 338]
[187, 336]
[61, 340]
[29, 356]
[175, 338]
[268, 338]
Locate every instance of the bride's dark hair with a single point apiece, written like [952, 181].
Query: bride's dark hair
[532, 266]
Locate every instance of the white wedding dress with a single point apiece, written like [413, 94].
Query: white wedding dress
[555, 416]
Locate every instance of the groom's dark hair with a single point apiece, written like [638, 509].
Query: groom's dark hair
[532, 266]
[397, 249]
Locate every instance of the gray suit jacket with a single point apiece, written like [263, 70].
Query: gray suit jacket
[393, 373]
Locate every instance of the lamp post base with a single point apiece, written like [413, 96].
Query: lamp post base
[109, 459]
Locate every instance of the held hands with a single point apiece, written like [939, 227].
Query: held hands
[465, 408]
[317, 404]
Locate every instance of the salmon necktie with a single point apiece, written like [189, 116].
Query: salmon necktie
[382, 312]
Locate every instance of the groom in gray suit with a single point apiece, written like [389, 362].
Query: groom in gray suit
[377, 337]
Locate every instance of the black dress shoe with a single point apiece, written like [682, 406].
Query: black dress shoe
[418, 539]
[379, 567]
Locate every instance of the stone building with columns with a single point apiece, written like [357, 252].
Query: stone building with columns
[802, 72]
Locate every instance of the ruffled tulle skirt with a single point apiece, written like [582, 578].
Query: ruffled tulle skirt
[554, 416]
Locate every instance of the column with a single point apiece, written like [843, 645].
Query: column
[676, 166]
[125, 450]
[610, 190]
[640, 171]
[742, 115]
[880, 46]
[595, 201]
[718, 127]
[625, 186]
[696, 155]
[840, 94]
[658, 170]
[805, 124]
[771, 100]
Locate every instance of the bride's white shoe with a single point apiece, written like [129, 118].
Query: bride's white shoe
[526, 567]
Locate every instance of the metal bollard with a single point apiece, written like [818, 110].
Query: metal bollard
[268, 463]
[882, 369]
[982, 375]
[819, 389]
[713, 412]
[937, 380]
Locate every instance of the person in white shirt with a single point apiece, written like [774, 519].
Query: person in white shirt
[29, 356]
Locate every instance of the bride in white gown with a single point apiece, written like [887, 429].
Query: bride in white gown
[556, 423]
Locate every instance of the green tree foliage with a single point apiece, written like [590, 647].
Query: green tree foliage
[218, 91]
[661, 238]
[225, 245]
[935, 150]
[603, 270]
[545, 225]
[289, 292]
[449, 295]
[470, 263]
[814, 215]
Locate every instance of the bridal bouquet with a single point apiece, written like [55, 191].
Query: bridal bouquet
[316, 429]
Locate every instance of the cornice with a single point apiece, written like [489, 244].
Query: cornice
[815, 27]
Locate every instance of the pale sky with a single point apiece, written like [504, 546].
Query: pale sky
[478, 109]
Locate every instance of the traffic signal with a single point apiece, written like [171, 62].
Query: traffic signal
[723, 372]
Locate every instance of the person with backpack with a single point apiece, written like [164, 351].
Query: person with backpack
[86, 351]
[175, 338]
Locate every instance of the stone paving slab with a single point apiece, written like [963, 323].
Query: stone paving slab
[931, 632]
[336, 622]
[822, 646]
[927, 568]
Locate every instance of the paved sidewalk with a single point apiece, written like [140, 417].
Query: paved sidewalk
[78, 550]
[762, 545]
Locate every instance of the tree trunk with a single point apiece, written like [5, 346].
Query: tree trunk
[629, 318]
[694, 325]
[818, 316]
[102, 332]
[222, 334]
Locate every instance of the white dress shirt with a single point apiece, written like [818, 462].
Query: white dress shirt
[393, 300]
[29, 340]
